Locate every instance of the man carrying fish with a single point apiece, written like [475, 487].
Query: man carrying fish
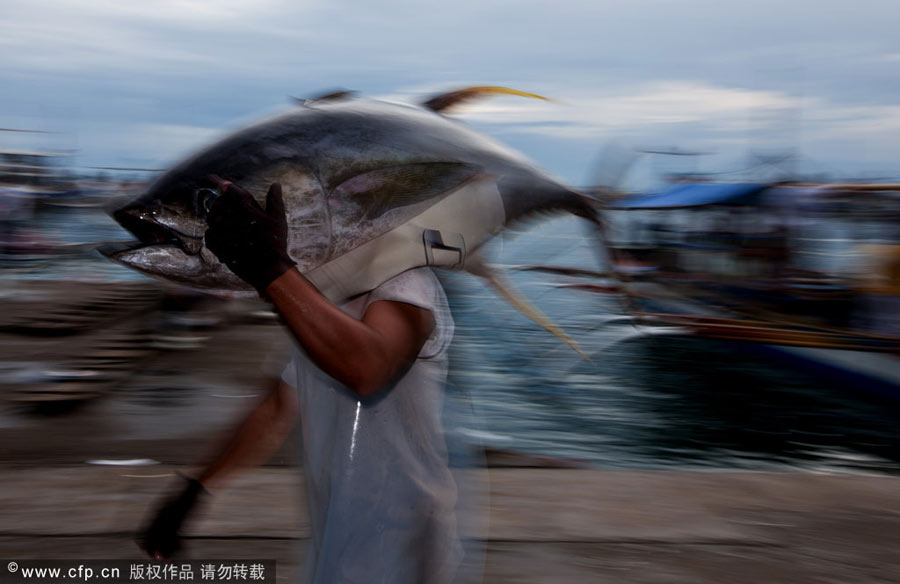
[364, 197]
[369, 375]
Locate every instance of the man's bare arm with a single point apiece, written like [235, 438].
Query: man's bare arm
[258, 437]
[362, 354]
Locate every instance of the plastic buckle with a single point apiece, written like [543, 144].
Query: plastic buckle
[435, 240]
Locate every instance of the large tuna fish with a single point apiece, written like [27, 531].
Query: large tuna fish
[371, 189]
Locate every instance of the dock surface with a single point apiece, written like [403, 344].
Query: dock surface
[547, 525]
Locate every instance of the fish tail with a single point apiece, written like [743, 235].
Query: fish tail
[504, 288]
[446, 101]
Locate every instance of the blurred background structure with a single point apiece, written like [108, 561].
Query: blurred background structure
[738, 420]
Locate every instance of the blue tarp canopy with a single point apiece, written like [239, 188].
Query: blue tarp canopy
[695, 195]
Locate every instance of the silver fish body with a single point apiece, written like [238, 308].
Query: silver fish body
[369, 186]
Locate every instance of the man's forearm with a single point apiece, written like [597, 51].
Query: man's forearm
[262, 432]
[361, 354]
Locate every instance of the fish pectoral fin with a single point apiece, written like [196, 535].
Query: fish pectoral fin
[382, 189]
[445, 101]
[504, 288]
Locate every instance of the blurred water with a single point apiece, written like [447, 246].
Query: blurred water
[644, 400]
[82, 228]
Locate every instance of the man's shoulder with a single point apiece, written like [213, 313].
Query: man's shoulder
[417, 286]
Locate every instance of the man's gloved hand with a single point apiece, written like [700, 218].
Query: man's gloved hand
[161, 538]
[250, 240]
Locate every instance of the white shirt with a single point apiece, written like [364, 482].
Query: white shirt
[381, 496]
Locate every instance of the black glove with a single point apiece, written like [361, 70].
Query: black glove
[161, 539]
[251, 241]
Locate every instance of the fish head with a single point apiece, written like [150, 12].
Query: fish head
[173, 216]
[169, 218]
[169, 221]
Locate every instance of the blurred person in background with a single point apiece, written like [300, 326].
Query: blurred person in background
[366, 380]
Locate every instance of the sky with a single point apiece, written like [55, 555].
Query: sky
[141, 84]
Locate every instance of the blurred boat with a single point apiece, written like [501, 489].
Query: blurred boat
[42, 204]
[808, 273]
[29, 179]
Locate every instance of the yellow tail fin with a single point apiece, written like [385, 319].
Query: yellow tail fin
[444, 101]
[504, 288]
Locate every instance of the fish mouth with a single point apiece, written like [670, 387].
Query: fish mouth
[121, 251]
[169, 262]
[141, 223]
[114, 249]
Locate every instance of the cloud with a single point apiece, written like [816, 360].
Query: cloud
[702, 112]
[162, 36]
[687, 72]
[646, 106]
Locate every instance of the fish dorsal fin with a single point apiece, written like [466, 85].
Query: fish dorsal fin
[475, 265]
[382, 189]
[445, 101]
[337, 95]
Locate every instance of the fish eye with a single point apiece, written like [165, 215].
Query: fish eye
[203, 200]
